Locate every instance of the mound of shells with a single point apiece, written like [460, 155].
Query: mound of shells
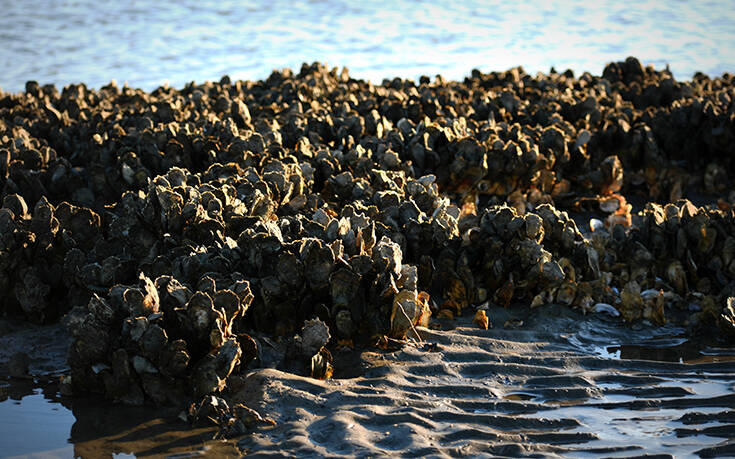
[177, 231]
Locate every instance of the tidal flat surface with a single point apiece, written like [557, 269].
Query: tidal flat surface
[542, 382]
[147, 43]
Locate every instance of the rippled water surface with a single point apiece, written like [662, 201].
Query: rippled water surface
[147, 43]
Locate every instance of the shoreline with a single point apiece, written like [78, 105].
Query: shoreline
[165, 83]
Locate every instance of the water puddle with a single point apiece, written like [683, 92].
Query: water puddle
[663, 344]
[33, 422]
[678, 350]
[519, 397]
[654, 431]
[36, 422]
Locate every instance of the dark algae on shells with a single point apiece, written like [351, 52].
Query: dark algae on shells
[187, 235]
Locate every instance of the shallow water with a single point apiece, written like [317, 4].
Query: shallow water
[147, 43]
[36, 422]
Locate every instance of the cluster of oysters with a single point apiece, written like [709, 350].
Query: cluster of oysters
[179, 232]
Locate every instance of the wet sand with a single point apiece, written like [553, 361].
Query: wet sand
[551, 383]
[531, 391]
[45, 345]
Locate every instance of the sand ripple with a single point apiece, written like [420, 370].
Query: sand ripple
[499, 392]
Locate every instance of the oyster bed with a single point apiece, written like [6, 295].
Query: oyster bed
[188, 235]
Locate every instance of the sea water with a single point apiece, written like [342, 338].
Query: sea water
[149, 43]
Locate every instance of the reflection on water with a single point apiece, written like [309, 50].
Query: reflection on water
[145, 43]
[678, 350]
[518, 396]
[33, 421]
[681, 354]
[36, 422]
